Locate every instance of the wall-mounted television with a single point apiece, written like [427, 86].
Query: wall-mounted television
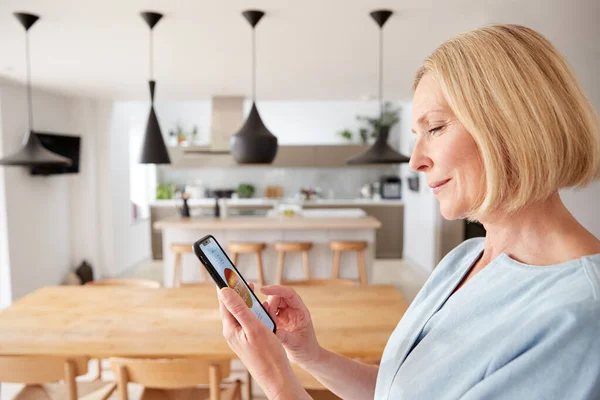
[64, 145]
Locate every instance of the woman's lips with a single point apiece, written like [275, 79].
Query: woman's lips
[439, 185]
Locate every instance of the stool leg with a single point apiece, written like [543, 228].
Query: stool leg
[306, 266]
[362, 273]
[248, 386]
[259, 263]
[280, 258]
[177, 271]
[99, 374]
[336, 265]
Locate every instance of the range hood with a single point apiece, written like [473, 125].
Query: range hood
[227, 116]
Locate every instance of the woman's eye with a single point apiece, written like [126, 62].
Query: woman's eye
[434, 130]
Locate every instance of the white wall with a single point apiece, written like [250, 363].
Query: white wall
[130, 241]
[37, 208]
[317, 122]
[584, 204]
[5, 286]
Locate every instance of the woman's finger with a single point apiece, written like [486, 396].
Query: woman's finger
[240, 311]
[286, 293]
[229, 322]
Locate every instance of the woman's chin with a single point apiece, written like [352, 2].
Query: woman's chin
[450, 212]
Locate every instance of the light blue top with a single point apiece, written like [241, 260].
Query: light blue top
[513, 331]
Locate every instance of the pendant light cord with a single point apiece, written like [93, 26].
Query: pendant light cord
[29, 97]
[253, 65]
[151, 57]
[380, 77]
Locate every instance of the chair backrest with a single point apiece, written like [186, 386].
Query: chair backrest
[321, 282]
[147, 283]
[40, 369]
[176, 373]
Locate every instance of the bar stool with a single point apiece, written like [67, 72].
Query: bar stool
[237, 248]
[292, 247]
[339, 246]
[180, 249]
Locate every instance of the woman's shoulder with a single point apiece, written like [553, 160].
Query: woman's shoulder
[591, 265]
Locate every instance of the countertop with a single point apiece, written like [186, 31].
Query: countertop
[267, 223]
[263, 202]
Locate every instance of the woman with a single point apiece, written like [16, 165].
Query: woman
[501, 125]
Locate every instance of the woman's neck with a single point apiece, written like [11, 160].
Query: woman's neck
[544, 233]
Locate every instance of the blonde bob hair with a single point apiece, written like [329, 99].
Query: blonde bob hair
[514, 92]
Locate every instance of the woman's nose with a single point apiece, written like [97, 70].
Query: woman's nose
[419, 161]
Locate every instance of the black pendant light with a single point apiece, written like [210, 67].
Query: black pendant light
[32, 153]
[380, 152]
[154, 150]
[254, 143]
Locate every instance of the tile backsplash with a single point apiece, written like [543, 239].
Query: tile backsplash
[338, 183]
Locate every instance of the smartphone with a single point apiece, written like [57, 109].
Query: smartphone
[224, 273]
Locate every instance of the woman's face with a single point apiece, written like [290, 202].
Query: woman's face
[445, 152]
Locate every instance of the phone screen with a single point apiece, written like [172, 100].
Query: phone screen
[229, 274]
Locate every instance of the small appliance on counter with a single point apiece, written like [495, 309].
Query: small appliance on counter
[220, 193]
[391, 187]
[196, 190]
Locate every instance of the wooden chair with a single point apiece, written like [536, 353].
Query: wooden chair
[39, 373]
[292, 247]
[340, 246]
[147, 283]
[176, 378]
[237, 248]
[179, 249]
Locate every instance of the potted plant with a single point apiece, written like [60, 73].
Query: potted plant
[382, 123]
[245, 190]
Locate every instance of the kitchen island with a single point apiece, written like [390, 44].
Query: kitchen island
[320, 231]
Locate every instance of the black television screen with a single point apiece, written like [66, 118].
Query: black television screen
[64, 145]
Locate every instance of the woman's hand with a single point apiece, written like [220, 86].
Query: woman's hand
[258, 348]
[294, 325]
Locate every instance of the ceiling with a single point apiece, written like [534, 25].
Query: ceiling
[309, 49]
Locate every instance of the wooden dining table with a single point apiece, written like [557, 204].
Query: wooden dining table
[102, 322]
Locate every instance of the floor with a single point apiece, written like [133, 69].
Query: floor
[404, 276]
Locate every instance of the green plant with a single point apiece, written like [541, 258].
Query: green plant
[245, 190]
[388, 118]
[346, 134]
[164, 191]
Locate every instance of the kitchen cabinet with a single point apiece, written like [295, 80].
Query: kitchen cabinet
[389, 239]
[288, 156]
[158, 213]
[332, 156]
[295, 156]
